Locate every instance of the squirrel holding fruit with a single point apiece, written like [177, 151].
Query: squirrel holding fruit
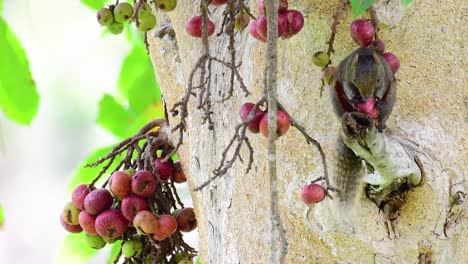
[363, 82]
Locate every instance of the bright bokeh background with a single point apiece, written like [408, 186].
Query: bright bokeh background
[73, 65]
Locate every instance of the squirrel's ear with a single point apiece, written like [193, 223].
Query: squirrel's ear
[355, 59]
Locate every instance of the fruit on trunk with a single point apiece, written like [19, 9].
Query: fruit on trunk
[282, 124]
[70, 214]
[194, 27]
[70, 228]
[146, 23]
[312, 193]
[320, 59]
[131, 205]
[379, 46]
[242, 21]
[145, 223]
[167, 225]
[178, 175]
[295, 23]
[186, 220]
[283, 6]
[95, 241]
[362, 31]
[166, 5]
[79, 194]
[115, 28]
[111, 224]
[253, 30]
[123, 12]
[97, 201]
[262, 26]
[87, 222]
[164, 169]
[244, 112]
[105, 16]
[143, 183]
[120, 184]
[393, 61]
[328, 74]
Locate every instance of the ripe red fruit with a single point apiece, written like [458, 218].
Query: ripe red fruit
[262, 26]
[146, 223]
[87, 222]
[167, 225]
[194, 27]
[111, 224]
[219, 2]
[131, 205]
[70, 228]
[392, 61]
[79, 194]
[312, 193]
[379, 46]
[159, 237]
[143, 183]
[253, 30]
[120, 184]
[186, 220]
[295, 23]
[244, 112]
[282, 124]
[164, 169]
[178, 175]
[283, 6]
[97, 201]
[362, 31]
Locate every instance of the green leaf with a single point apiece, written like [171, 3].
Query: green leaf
[406, 2]
[137, 82]
[75, 250]
[2, 217]
[199, 261]
[1, 6]
[18, 95]
[113, 116]
[115, 251]
[95, 4]
[359, 6]
[86, 175]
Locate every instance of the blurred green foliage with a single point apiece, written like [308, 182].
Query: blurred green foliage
[114, 252]
[359, 6]
[18, 95]
[2, 218]
[75, 250]
[94, 4]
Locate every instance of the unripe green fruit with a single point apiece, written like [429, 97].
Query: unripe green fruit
[166, 5]
[105, 16]
[70, 214]
[123, 12]
[320, 59]
[115, 28]
[132, 248]
[242, 21]
[95, 241]
[146, 23]
[143, 9]
[328, 74]
[110, 240]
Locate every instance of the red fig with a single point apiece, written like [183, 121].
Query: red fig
[283, 6]
[312, 193]
[392, 61]
[79, 194]
[131, 205]
[244, 112]
[295, 23]
[194, 27]
[143, 183]
[120, 184]
[87, 222]
[362, 31]
[164, 169]
[282, 124]
[111, 224]
[70, 228]
[97, 201]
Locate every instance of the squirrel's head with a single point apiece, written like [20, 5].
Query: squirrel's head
[364, 73]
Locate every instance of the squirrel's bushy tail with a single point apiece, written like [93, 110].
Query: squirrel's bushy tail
[348, 173]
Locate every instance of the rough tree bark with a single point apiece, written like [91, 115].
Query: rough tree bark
[432, 110]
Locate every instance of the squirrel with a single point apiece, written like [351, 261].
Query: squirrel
[363, 82]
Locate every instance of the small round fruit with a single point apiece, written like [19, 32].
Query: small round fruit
[111, 224]
[79, 194]
[253, 30]
[244, 112]
[164, 169]
[282, 124]
[145, 223]
[283, 6]
[143, 9]
[159, 237]
[186, 220]
[393, 61]
[115, 28]
[312, 193]
[295, 23]
[242, 21]
[120, 184]
[95, 241]
[178, 175]
[143, 183]
[219, 2]
[320, 59]
[70, 214]
[87, 222]
[362, 31]
[105, 16]
[328, 74]
[167, 225]
[166, 5]
[146, 23]
[97, 201]
[131, 205]
[262, 26]
[132, 248]
[194, 27]
[123, 12]
[379, 46]
[70, 228]
[110, 240]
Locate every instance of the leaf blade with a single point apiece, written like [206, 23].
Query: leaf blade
[94, 4]
[359, 6]
[75, 250]
[113, 116]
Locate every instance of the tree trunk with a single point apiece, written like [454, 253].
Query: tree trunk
[432, 110]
